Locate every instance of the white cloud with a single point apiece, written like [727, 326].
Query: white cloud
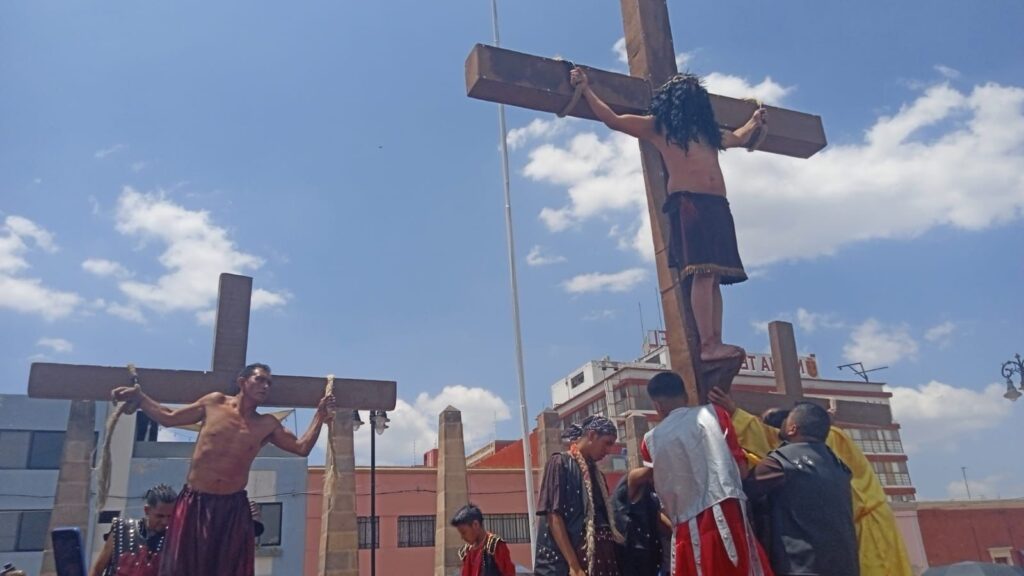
[811, 321]
[767, 91]
[537, 129]
[835, 198]
[995, 486]
[941, 334]
[597, 315]
[808, 321]
[104, 152]
[129, 312]
[196, 252]
[619, 49]
[58, 345]
[876, 345]
[29, 295]
[623, 281]
[538, 257]
[416, 424]
[139, 166]
[101, 267]
[937, 414]
[951, 73]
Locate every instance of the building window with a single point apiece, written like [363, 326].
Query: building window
[270, 516]
[901, 498]
[1001, 555]
[416, 531]
[513, 528]
[576, 380]
[365, 530]
[23, 449]
[23, 531]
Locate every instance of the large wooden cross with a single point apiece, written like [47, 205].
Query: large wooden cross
[231, 336]
[518, 79]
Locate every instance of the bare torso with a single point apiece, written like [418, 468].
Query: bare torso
[696, 170]
[228, 443]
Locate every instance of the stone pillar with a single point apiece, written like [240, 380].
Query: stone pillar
[71, 500]
[636, 427]
[339, 531]
[549, 437]
[452, 491]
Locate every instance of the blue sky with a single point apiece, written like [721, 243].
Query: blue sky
[330, 152]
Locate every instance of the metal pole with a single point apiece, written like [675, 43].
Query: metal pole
[531, 506]
[967, 485]
[373, 493]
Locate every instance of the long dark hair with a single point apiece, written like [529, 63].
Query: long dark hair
[682, 113]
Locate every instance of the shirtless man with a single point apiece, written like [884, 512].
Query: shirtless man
[681, 124]
[211, 530]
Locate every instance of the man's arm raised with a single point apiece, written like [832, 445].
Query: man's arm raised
[164, 416]
[285, 440]
[636, 126]
[741, 136]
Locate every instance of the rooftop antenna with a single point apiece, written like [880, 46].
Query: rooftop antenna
[858, 369]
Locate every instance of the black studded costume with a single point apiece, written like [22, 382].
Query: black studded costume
[136, 552]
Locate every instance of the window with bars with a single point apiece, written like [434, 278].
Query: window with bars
[513, 528]
[874, 441]
[416, 531]
[369, 532]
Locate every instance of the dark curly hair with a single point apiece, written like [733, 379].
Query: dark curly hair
[682, 113]
[160, 494]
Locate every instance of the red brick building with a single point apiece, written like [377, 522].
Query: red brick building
[980, 530]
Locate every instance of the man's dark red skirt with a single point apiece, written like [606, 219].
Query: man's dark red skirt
[703, 236]
[209, 535]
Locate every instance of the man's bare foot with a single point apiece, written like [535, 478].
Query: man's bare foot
[721, 352]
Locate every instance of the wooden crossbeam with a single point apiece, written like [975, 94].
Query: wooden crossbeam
[517, 79]
[67, 381]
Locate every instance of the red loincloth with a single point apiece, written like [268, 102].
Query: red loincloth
[209, 535]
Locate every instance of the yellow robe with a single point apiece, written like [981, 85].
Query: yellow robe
[881, 548]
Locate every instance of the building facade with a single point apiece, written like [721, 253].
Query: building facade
[31, 445]
[616, 389]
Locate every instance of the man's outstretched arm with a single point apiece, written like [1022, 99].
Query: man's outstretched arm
[285, 440]
[162, 415]
[636, 126]
[741, 136]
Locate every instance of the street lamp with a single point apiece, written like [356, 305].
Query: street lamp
[379, 423]
[1011, 367]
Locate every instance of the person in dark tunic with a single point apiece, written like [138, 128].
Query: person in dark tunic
[575, 535]
[639, 518]
[810, 500]
[134, 544]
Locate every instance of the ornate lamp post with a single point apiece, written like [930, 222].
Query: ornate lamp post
[1011, 367]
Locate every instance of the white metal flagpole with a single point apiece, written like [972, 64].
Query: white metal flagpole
[531, 505]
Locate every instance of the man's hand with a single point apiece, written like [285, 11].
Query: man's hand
[760, 117]
[327, 408]
[131, 394]
[722, 399]
[577, 77]
[577, 572]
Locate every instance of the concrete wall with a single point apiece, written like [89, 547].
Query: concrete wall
[31, 489]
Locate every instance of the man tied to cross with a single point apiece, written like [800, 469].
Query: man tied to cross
[211, 530]
[681, 125]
